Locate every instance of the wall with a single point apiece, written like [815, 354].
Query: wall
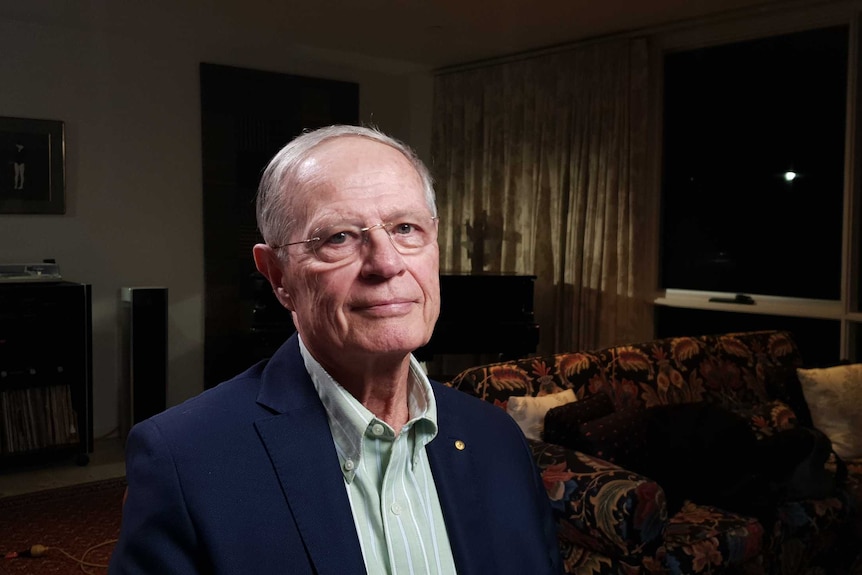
[124, 79]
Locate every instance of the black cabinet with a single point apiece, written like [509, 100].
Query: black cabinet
[45, 371]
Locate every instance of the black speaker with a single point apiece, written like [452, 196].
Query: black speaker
[144, 354]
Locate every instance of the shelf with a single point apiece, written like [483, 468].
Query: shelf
[45, 371]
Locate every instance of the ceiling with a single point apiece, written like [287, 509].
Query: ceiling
[409, 34]
[439, 33]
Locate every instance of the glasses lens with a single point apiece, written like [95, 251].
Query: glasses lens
[408, 233]
[412, 232]
[335, 243]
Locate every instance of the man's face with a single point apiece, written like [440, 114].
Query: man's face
[380, 301]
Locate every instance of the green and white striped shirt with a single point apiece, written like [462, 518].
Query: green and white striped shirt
[388, 478]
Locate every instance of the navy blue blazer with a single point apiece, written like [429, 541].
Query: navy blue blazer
[244, 478]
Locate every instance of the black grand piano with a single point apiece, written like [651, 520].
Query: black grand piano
[484, 314]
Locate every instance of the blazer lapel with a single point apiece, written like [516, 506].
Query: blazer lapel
[303, 455]
[453, 464]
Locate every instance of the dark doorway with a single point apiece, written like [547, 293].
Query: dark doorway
[246, 117]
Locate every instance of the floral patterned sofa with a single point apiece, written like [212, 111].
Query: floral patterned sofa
[615, 520]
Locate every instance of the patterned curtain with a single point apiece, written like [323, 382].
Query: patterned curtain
[541, 168]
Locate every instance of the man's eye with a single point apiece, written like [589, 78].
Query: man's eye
[338, 238]
[404, 228]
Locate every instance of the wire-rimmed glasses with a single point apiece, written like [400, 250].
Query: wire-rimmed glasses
[409, 233]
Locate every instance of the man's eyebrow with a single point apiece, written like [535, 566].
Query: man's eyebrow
[334, 219]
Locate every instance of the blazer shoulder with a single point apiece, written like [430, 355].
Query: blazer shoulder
[224, 402]
[459, 409]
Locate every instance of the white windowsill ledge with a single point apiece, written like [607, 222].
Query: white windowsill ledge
[763, 304]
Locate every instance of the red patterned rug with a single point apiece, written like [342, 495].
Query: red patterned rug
[69, 521]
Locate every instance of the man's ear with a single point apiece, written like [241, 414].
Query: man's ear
[272, 268]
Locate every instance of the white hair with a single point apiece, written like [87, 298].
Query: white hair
[275, 209]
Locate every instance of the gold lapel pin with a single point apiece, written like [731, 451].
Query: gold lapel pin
[459, 445]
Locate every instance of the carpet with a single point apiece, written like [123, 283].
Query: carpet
[68, 519]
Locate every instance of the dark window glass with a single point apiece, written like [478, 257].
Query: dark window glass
[737, 119]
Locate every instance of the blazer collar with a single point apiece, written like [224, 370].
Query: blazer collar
[454, 466]
[299, 444]
[285, 384]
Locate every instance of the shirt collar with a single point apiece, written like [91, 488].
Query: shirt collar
[349, 420]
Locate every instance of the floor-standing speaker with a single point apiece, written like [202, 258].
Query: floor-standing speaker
[144, 354]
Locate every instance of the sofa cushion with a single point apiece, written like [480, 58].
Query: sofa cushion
[767, 419]
[529, 412]
[834, 395]
[795, 461]
[703, 453]
[617, 437]
[782, 384]
[710, 455]
[562, 423]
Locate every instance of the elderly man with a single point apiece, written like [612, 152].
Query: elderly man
[338, 455]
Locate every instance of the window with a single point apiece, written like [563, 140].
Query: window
[760, 170]
[753, 166]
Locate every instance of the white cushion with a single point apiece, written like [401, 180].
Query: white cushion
[529, 412]
[834, 396]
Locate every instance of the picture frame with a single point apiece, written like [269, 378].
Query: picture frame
[32, 166]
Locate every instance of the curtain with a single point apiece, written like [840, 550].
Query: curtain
[540, 166]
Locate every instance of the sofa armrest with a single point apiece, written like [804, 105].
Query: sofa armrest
[598, 505]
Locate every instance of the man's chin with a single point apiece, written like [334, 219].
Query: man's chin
[394, 341]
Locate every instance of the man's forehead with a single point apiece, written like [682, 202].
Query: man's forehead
[337, 169]
[349, 155]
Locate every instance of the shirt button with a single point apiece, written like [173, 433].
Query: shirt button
[349, 465]
[377, 429]
[396, 509]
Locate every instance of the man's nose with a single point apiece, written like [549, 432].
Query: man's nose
[367, 231]
[379, 253]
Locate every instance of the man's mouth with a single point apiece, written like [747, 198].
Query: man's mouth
[393, 307]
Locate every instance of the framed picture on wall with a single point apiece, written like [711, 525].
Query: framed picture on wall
[32, 171]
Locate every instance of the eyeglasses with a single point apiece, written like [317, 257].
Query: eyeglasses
[408, 233]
